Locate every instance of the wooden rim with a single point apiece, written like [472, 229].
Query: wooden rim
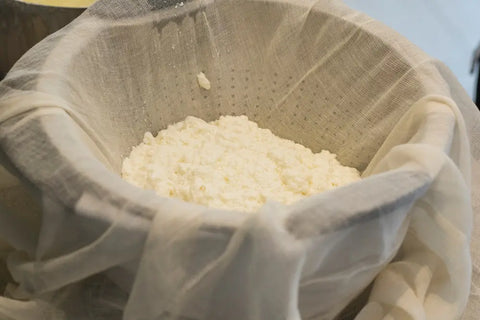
[59, 3]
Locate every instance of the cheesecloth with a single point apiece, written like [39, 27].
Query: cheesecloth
[395, 245]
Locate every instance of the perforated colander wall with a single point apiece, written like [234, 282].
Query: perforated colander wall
[294, 85]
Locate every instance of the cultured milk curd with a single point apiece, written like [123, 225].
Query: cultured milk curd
[231, 163]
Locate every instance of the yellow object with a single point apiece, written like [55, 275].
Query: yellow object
[62, 3]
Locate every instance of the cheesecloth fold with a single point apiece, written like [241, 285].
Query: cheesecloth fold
[80, 243]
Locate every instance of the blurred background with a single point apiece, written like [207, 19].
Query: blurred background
[446, 29]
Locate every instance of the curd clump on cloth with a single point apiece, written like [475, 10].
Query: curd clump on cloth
[231, 163]
[203, 81]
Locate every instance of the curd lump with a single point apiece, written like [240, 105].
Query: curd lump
[231, 164]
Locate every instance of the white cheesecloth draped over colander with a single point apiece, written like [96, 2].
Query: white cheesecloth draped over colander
[395, 245]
